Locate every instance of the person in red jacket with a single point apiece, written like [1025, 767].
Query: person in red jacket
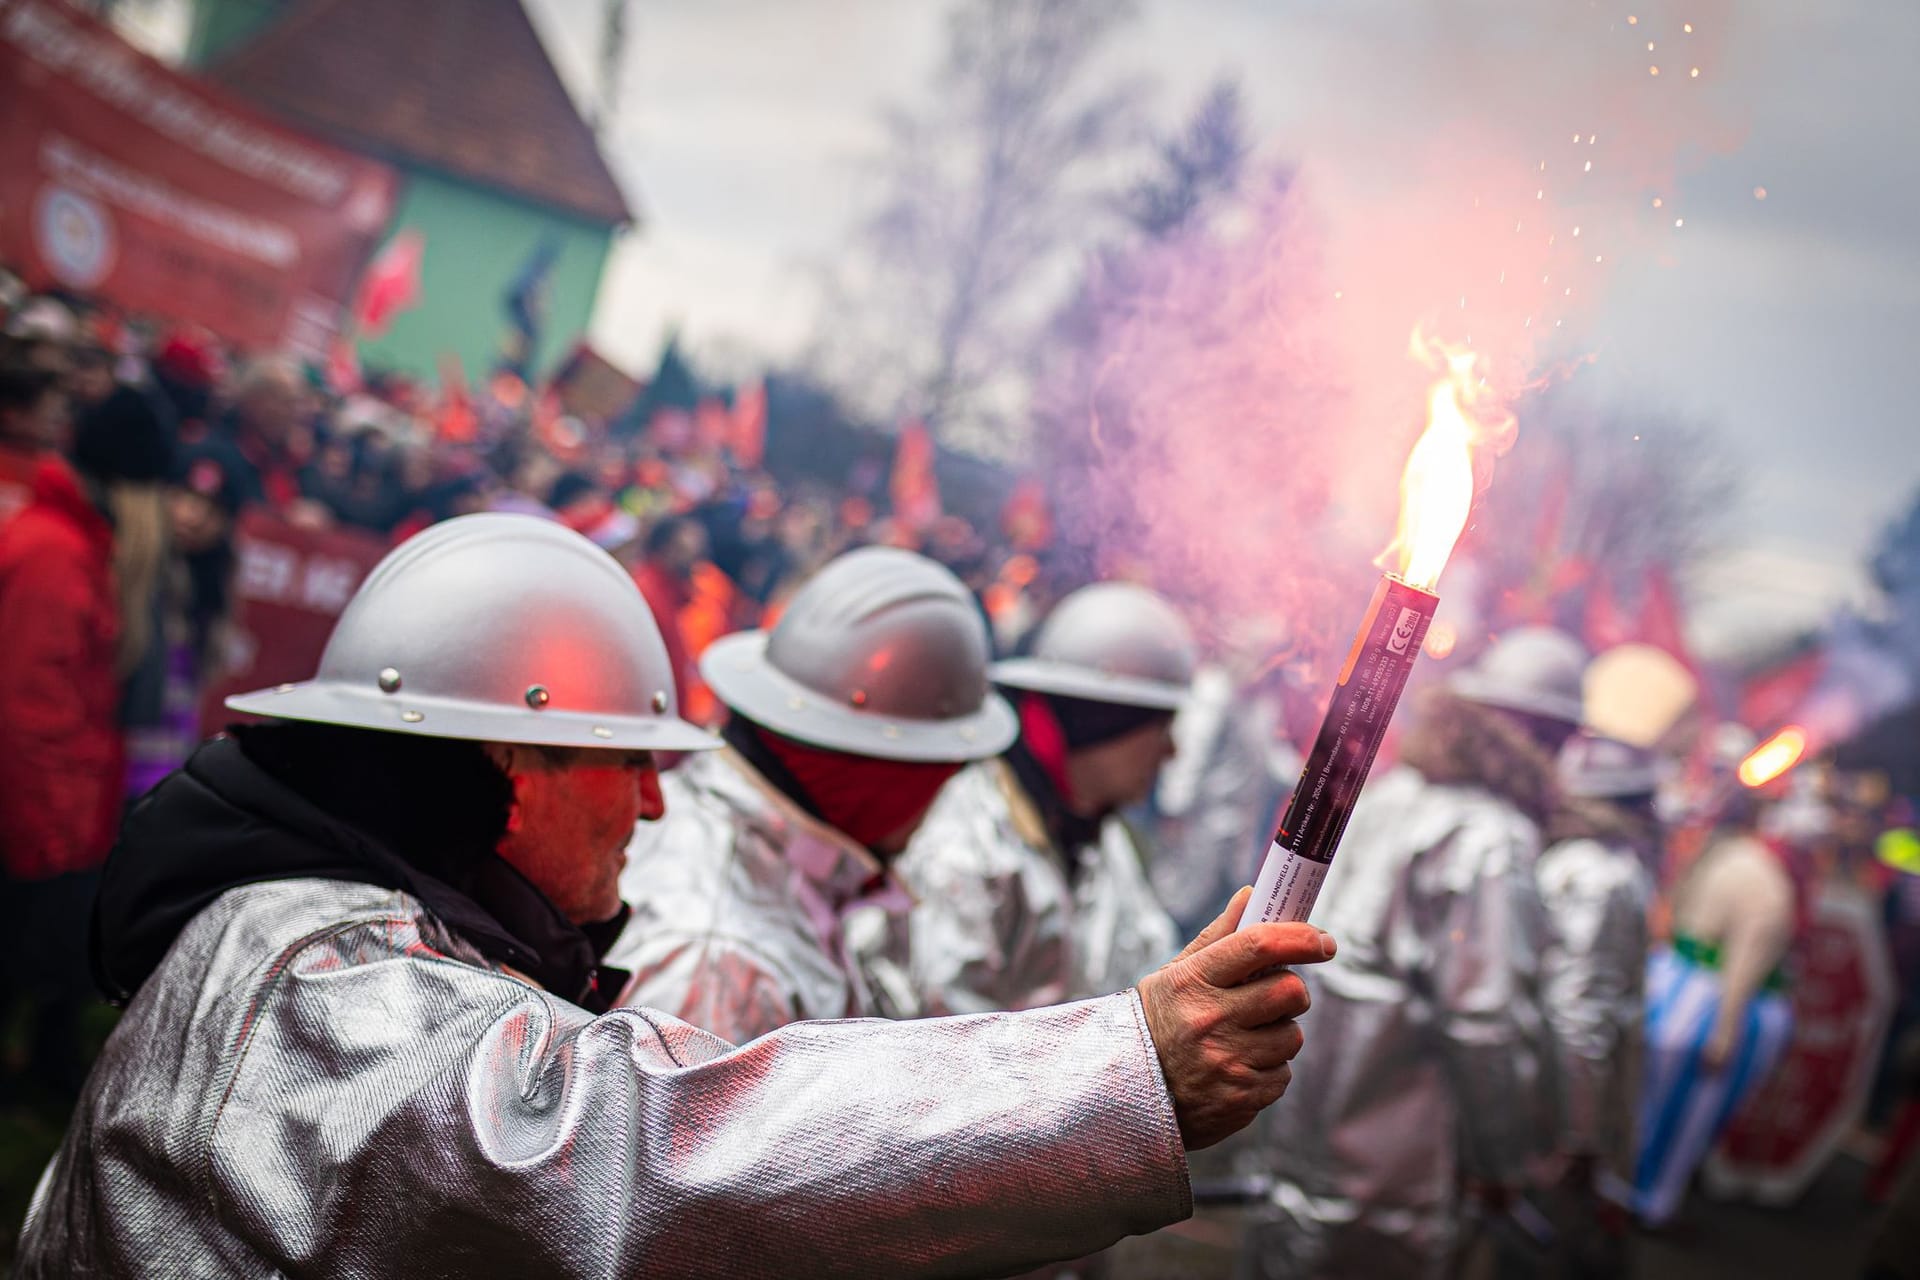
[60, 761]
[673, 549]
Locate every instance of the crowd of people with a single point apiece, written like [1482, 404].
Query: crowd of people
[447, 950]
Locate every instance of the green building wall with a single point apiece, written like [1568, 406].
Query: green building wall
[477, 242]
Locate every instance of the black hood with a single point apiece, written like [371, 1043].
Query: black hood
[222, 821]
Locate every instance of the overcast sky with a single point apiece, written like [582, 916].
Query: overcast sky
[1789, 323]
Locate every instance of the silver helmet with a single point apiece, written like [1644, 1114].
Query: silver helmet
[882, 653]
[1598, 768]
[1110, 642]
[495, 628]
[1534, 670]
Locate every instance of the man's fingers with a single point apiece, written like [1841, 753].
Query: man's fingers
[1223, 924]
[1233, 959]
[1273, 1045]
[1272, 998]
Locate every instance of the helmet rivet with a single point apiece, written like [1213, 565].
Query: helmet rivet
[537, 696]
[601, 731]
[389, 680]
[413, 717]
[859, 698]
[283, 688]
[660, 702]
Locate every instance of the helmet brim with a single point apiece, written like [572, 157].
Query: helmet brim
[735, 667]
[1069, 680]
[1487, 693]
[332, 702]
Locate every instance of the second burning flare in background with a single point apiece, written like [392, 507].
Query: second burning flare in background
[1436, 497]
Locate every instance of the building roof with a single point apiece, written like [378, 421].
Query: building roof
[462, 86]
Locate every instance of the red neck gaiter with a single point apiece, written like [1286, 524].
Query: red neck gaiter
[1046, 742]
[866, 798]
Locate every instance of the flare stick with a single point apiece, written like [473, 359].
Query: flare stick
[1368, 690]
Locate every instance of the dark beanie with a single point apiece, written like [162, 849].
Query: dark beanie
[124, 437]
[1087, 723]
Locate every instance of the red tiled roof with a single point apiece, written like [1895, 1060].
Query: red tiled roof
[463, 86]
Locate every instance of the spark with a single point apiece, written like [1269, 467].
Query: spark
[1596, 257]
[1636, 438]
[1569, 291]
[1649, 46]
[1687, 27]
[1632, 21]
[1656, 202]
[1558, 323]
[1540, 195]
[1463, 302]
[1679, 222]
[1589, 168]
[1503, 277]
[1695, 73]
[1759, 193]
[1653, 71]
[1576, 231]
[1543, 166]
[1339, 294]
[1576, 137]
[1591, 137]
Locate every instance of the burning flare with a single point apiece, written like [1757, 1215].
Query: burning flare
[1436, 489]
[1773, 757]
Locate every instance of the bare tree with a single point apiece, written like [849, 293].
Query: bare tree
[1201, 163]
[1598, 497]
[985, 196]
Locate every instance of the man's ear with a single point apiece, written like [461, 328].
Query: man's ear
[510, 760]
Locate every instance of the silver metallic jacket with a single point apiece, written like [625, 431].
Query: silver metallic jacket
[1425, 1060]
[996, 925]
[320, 1080]
[741, 903]
[1592, 978]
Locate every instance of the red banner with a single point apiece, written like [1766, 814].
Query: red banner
[290, 586]
[125, 180]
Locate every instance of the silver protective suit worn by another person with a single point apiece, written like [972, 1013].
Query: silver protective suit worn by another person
[1597, 888]
[746, 907]
[1014, 910]
[334, 1061]
[1430, 1069]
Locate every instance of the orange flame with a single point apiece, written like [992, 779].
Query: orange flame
[1773, 757]
[1436, 489]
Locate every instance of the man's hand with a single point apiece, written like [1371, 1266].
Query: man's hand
[1221, 1016]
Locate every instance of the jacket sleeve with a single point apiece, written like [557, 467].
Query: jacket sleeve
[714, 983]
[53, 779]
[1486, 930]
[1591, 981]
[486, 1127]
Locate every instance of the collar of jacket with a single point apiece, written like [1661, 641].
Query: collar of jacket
[222, 822]
[840, 869]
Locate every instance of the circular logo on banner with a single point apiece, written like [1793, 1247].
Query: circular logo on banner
[75, 237]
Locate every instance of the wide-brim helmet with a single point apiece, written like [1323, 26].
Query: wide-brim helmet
[882, 653]
[1537, 671]
[495, 628]
[1110, 642]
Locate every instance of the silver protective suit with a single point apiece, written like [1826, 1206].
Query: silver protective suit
[997, 924]
[741, 909]
[1425, 1065]
[1596, 895]
[320, 1080]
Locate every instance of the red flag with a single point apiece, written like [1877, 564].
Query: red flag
[1025, 520]
[913, 488]
[712, 426]
[748, 439]
[391, 285]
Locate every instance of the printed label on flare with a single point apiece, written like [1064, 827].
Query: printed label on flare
[1369, 689]
[1287, 888]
